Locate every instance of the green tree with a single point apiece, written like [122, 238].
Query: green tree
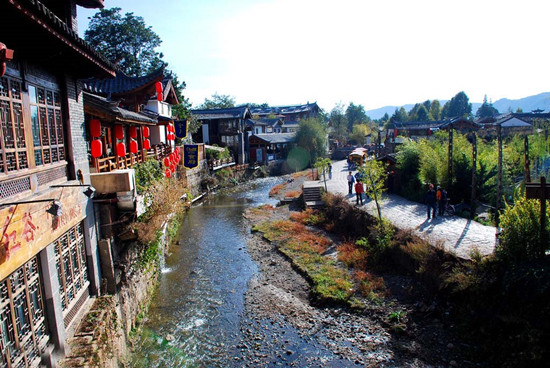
[218, 102]
[355, 115]
[322, 165]
[359, 134]
[339, 124]
[486, 110]
[458, 107]
[312, 137]
[374, 177]
[435, 110]
[126, 41]
[408, 162]
[399, 116]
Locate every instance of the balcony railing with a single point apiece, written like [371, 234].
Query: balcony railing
[111, 163]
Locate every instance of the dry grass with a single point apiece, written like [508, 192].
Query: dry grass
[293, 194]
[276, 190]
[308, 217]
[352, 255]
[370, 286]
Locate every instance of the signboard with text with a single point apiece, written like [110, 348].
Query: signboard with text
[190, 156]
[181, 128]
[28, 228]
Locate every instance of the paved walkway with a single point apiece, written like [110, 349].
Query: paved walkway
[456, 234]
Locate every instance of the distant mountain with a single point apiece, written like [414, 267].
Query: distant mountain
[527, 104]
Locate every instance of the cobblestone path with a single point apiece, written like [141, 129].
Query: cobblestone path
[455, 234]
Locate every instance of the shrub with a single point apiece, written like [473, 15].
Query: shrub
[521, 232]
[147, 173]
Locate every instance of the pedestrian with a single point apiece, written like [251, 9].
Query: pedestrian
[330, 171]
[359, 193]
[351, 180]
[438, 199]
[441, 200]
[431, 201]
[358, 176]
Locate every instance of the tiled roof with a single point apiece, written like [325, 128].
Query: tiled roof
[117, 113]
[273, 138]
[121, 84]
[226, 113]
[90, 4]
[282, 110]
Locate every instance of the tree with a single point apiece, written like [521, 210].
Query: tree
[399, 116]
[322, 165]
[339, 123]
[359, 134]
[458, 107]
[312, 137]
[218, 102]
[435, 110]
[374, 177]
[355, 115]
[486, 110]
[422, 114]
[126, 41]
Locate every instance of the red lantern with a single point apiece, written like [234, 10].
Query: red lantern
[172, 137]
[97, 148]
[146, 132]
[133, 146]
[168, 173]
[172, 168]
[133, 132]
[95, 128]
[166, 162]
[120, 150]
[177, 150]
[146, 144]
[119, 132]
[158, 87]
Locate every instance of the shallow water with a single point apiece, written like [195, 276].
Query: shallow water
[195, 315]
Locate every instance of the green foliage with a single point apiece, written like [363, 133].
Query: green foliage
[312, 136]
[359, 134]
[458, 107]
[322, 165]
[486, 110]
[408, 162]
[125, 40]
[339, 123]
[374, 177]
[217, 154]
[147, 173]
[521, 232]
[218, 102]
[355, 114]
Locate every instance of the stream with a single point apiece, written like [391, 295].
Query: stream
[195, 315]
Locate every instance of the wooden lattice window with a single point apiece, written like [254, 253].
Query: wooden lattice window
[47, 126]
[70, 259]
[13, 147]
[23, 332]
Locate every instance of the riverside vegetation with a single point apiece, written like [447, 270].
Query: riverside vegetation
[498, 305]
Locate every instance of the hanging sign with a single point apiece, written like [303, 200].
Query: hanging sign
[181, 128]
[190, 156]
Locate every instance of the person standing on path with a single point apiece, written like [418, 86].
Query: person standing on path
[359, 193]
[441, 200]
[351, 180]
[431, 201]
[330, 171]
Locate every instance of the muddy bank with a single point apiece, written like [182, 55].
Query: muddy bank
[283, 326]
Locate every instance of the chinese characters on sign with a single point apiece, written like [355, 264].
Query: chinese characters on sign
[190, 156]
[181, 128]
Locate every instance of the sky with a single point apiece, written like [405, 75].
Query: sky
[370, 52]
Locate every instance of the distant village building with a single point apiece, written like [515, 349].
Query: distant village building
[288, 113]
[511, 124]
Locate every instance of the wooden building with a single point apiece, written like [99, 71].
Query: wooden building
[49, 264]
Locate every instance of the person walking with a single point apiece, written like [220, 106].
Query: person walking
[441, 200]
[359, 193]
[351, 180]
[431, 201]
[330, 171]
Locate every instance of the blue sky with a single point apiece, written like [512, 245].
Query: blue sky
[373, 53]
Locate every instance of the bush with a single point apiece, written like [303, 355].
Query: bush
[521, 232]
[147, 173]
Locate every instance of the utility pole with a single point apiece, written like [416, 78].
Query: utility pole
[474, 167]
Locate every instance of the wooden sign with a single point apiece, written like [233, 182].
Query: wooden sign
[28, 228]
[190, 156]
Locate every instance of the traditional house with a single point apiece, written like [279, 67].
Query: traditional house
[288, 113]
[225, 127]
[511, 124]
[49, 262]
[265, 148]
[263, 126]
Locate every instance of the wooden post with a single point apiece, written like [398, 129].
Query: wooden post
[474, 167]
[543, 234]
[499, 176]
[527, 162]
[450, 159]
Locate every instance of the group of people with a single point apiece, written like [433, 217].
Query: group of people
[435, 200]
[358, 186]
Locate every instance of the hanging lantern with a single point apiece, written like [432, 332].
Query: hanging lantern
[172, 168]
[172, 137]
[177, 150]
[158, 87]
[119, 132]
[166, 162]
[146, 132]
[170, 128]
[97, 148]
[146, 144]
[133, 132]
[95, 128]
[133, 146]
[120, 150]
[168, 173]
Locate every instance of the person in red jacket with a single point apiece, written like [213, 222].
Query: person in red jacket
[359, 192]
